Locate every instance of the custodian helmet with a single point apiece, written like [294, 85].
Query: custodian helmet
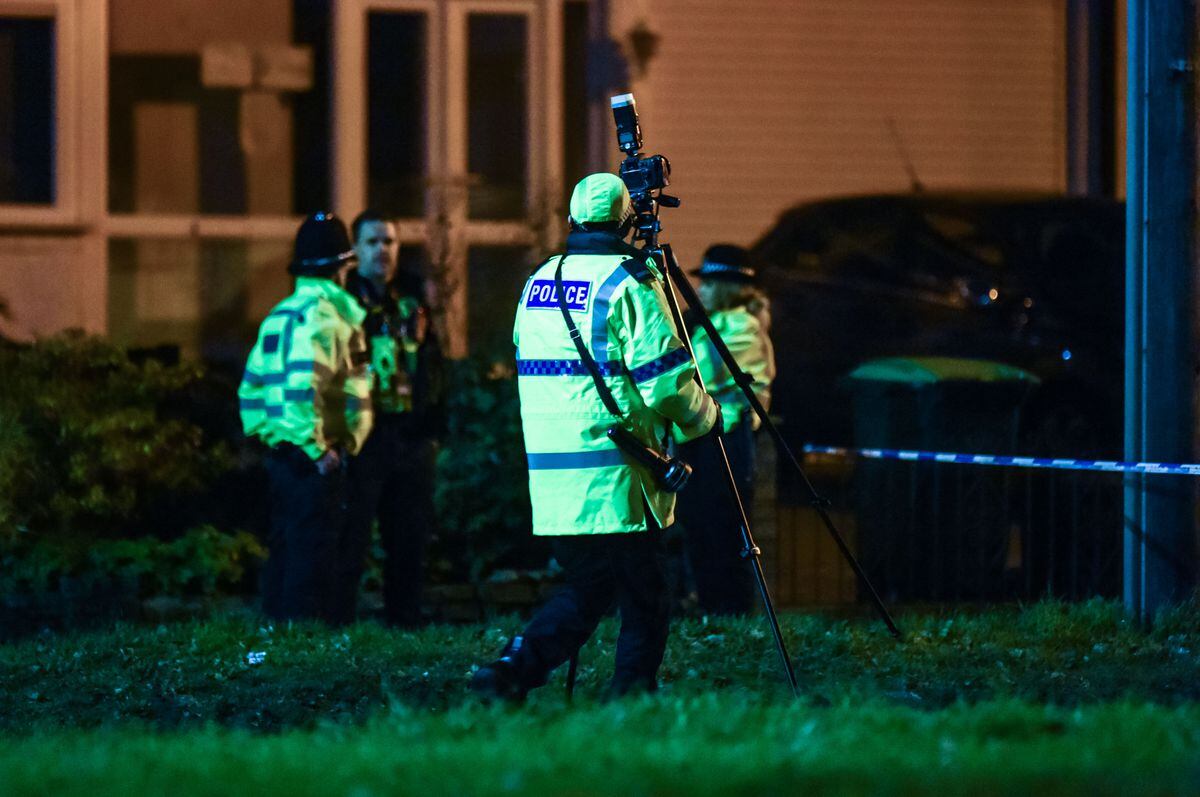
[322, 247]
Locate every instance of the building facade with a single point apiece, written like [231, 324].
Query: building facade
[157, 155]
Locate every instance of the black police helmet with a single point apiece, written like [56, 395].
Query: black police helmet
[322, 247]
[727, 263]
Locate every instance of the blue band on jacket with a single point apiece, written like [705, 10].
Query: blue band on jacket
[565, 368]
[661, 365]
[600, 312]
[576, 459]
[257, 379]
[272, 410]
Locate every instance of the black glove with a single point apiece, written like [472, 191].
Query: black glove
[718, 427]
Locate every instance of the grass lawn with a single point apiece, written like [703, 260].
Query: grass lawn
[1046, 699]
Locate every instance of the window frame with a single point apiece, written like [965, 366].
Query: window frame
[351, 106]
[74, 112]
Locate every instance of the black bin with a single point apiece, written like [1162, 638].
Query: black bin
[926, 530]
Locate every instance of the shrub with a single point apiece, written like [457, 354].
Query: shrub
[88, 446]
[482, 492]
[103, 476]
[203, 562]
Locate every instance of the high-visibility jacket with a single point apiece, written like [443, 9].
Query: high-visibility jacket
[407, 374]
[579, 482]
[751, 348]
[306, 381]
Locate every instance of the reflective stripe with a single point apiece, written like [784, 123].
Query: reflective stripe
[259, 380]
[576, 460]
[719, 370]
[659, 366]
[290, 315]
[293, 317]
[296, 314]
[275, 378]
[260, 405]
[698, 416]
[566, 368]
[299, 394]
[600, 313]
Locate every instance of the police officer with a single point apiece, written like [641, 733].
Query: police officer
[604, 513]
[393, 477]
[306, 394]
[739, 312]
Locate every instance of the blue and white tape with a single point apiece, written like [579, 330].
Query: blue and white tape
[1005, 461]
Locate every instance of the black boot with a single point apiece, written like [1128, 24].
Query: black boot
[499, 679]
[620, 686]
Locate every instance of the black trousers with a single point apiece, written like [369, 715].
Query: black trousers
[391, 479]
[711, 526]
[306, 511]
[599, 569]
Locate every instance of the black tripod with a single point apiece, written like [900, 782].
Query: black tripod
[646, 204]
[675, 277]
[646, 177]
[750, 550]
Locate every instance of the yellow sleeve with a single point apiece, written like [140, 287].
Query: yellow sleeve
[657, 362]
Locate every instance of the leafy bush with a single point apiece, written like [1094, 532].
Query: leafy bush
[89, 447]
[482, 493]
[102, 474]
[204, 562]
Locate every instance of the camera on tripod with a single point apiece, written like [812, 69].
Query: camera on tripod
[643, 176]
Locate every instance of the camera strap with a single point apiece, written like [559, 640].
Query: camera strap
[589, 362]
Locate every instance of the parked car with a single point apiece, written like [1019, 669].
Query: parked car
[1035, 281]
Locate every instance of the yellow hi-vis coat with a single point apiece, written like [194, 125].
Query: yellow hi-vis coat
[751, 348]
[579, 482]
[306, 381]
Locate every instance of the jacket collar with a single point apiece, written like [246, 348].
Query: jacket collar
[363, 289]
[345, 304]
[584, 242]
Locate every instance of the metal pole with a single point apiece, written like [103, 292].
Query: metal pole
[1160, 184]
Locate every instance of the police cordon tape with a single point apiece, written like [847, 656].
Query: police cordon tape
[1007, 461]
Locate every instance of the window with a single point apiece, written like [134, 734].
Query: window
[497, 114]
[205, 297]
[232, 122]
[27, 97]
[574, 95]
[396, 108]
[495, 276]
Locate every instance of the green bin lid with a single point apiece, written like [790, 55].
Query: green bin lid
[930, 370]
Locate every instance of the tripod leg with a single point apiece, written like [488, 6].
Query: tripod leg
[752, 552]
[749, 549]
